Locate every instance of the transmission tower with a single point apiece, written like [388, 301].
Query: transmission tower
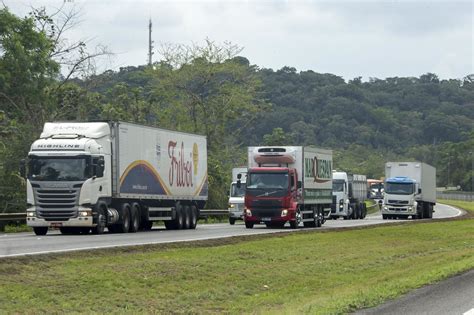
[150, 45]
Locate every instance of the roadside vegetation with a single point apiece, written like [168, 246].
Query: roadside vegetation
[307, 272]
[465, 205]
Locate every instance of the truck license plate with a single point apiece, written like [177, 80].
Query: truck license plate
[56, 224]
[266, 219]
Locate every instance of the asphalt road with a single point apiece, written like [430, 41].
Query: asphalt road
[453, 296]
[20, 244]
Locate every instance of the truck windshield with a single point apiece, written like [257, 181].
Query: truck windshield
[399, 188]
[237, 192]
[376, 187]
[338, 185]
[267, 181]
[75, 168]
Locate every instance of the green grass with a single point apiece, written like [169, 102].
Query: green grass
[372, 206]
[16, 228]
[466, 205]
[308, 272]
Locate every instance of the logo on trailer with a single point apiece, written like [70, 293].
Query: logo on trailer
[318, 169]
[180, 169]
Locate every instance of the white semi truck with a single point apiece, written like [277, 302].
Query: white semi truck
[116, 175]
[349, 194]
[288, 184]
[410, 190]
[237, 194]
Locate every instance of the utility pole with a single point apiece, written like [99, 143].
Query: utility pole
[150, 45]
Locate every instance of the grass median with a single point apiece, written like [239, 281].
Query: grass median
[307, 272]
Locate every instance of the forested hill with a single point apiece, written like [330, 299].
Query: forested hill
[367, 123]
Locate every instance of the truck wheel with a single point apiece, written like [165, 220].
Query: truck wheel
[41, 230]
[124, 226]
[384, 216]
[232, 221]
[294, 224]
[364, 211]
[187, 217]
[194, 217]
[134, 218]
[179, 217]
[249, 225]
[101, 222]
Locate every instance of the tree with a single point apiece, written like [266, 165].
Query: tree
[277, 137]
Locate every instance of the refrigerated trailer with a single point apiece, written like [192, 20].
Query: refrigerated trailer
[84, 176]
[288, 184]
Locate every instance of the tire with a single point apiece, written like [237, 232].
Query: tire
[319, 220]
[124, 225]
[294, 224]
[363, 212]
[231, 221]
[194, 217]
[134, 218]
[101, 222]
[384, 216]
[179, 220]
[249, 225]
[187, 217]
[40, 230]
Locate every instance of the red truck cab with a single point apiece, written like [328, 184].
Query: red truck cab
[271, 197]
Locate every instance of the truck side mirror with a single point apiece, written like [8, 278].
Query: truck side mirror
[419, 190]
[239, 176]
[100, 167]
[299, 185]
[23, 168]
[239, 183]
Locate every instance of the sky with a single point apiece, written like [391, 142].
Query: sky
[370, 39]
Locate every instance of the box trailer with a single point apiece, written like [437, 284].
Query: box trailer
[84, 176]
[409, 190]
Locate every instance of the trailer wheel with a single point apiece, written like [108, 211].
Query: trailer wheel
[134, 218]
[187, 217]
[194, 217]
[179, 220]
[40, 230]
[124, 226]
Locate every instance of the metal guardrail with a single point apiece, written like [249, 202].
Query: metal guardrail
[9, 217]
[465, 196]
[205, 213]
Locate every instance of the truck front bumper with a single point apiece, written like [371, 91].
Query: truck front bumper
[84, 218]
[236, 214]
[392, 209]
[73, 222]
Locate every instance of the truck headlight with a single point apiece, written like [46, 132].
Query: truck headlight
[410, 208]
[85, 213]
[284, 212]
[30, 213]
[231, 205]
[385, 207]
[248, 212]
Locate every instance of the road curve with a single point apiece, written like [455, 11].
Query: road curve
[20, 244]
[452, 296]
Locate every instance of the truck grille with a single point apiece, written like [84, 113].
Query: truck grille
[266, 213]
[398, 202]
[267, 203]
[57, 204]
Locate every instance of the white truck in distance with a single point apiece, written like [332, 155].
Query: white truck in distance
[92, 175]
[349, 193]
[237, 194]
[410, 190]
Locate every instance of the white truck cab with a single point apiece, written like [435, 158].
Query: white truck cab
[237, 195]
